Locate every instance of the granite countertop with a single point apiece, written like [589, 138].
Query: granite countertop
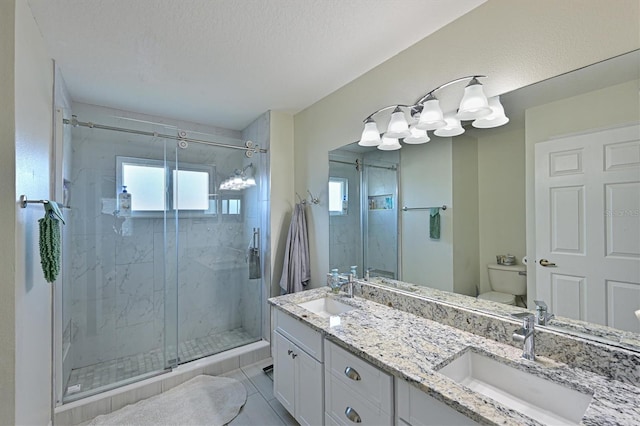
[587, 330]
[414, 348]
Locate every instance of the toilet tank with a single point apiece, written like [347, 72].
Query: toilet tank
[506, 278]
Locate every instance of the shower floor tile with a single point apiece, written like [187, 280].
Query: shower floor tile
[120, 369]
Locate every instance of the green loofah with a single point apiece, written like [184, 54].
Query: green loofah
[50, 246]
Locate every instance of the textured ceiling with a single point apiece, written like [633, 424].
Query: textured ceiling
[225, 62]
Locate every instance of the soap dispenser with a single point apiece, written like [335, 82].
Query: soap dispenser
[354, 272]
[335, 281]
[124, 202]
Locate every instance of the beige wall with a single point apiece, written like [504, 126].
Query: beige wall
[516, 43]
[426, 180]
[33, 136]
[465, 215]
[609, 107]
[7, 214]
[501, 198]
[282, 196]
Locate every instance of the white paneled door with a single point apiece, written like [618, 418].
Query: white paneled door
[588, 226]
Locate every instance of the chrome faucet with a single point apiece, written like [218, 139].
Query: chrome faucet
[525, 334]
[346, 280]
[338, 282]
[542, 314]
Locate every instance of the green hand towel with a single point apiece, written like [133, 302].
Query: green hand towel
[434, 223]
[50, 241]
[52, 208]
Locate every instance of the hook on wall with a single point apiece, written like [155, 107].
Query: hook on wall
[312, 200]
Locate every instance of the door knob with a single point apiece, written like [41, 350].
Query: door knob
[547, 264]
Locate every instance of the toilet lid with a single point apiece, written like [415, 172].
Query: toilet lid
[496, 296]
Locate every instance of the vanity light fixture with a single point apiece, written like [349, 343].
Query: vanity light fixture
[241, 179]
[427, 115]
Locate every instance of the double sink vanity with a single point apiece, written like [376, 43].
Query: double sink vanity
[386, 357]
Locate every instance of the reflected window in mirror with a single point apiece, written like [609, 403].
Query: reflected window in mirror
[338, 196]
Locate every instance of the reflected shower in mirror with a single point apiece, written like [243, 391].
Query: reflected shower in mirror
[493, 183]
[364, 232]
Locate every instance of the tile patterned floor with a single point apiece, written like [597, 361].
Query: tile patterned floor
[261, 408]
[120, 369]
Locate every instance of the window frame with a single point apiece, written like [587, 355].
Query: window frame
[169, 167]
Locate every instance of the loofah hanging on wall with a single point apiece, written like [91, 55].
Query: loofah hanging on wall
[50, 246]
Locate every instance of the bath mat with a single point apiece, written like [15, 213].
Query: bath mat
[203, 400]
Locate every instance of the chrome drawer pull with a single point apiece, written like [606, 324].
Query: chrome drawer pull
[351, 373]
[352, 415]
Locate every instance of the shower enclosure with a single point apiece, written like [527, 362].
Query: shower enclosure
[363, 218]
[164, 280]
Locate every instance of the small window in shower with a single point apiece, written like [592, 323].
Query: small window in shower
[146, 181]
[190, 190]
[338, 196]
[153, 189]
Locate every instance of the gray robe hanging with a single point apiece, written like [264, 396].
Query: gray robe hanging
[295, 270]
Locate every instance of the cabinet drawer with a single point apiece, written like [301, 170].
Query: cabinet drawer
[299, 333]
[345, 407]
[358, 375]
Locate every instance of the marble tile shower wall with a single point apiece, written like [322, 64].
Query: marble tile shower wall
[117, 281]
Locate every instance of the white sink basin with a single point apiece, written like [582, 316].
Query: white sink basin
[326, 307]
[533, 396]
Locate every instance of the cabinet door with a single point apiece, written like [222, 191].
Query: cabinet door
[284, 372]
[416, 408]
[309, 389]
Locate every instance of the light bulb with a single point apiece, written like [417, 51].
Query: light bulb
[495, 119]
[417, 136]
[474, 103]
[431, 115]
[398, 126]
[370, 134]
[453, 127]
[389, 144]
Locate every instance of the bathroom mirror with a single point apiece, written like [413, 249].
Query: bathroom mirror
[487, 180]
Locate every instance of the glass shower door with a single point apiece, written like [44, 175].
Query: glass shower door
[114, 292]
[214, 194]
[380, 228]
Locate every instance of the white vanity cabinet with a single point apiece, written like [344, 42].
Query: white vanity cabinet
[355, 391]
[416, 408]
[298, 369]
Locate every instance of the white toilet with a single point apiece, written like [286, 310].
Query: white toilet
[506, 283]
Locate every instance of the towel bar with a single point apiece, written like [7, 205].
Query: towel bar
[405, 208]
[24, 201]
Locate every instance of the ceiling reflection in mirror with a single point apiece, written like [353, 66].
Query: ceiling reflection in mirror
[483, 177]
